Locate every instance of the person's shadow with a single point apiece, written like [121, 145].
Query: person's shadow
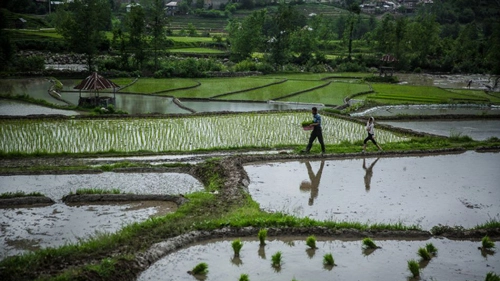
[313, 184]
[368, 173]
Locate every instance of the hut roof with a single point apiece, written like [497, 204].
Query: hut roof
[96, 82]
[388, 58]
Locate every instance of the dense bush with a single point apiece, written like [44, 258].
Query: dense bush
[190, 67]
[55, 46]
[32, 63]
[210, 13]
[351, 67]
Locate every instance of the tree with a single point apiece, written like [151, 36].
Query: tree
[6, 47]
[246, 36]
[82, 24]
[157, 22]
[354, 11]
[136, 26]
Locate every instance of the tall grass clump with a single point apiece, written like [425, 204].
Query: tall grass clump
[311, 242]
[414, 268]
[431, 249]
[7, 195]
[201, 268]
[369, 244]
[487, 244]
[276, 259]
[262, 236]
[328, 259]
[490, 276]
[244, 277]
[424, 254]
[82, 191]
[237, 245]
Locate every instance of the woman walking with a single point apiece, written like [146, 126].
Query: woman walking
[370, 128]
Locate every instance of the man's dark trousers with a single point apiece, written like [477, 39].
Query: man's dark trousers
[316, 133]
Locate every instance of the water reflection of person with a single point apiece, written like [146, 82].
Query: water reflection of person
[313, 184]
[369, 173]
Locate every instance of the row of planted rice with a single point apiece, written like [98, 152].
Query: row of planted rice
[173, 134]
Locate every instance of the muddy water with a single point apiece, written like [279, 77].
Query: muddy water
[477, 129]
[417, 110]
[56, 186]
[457, 189]
[10, 107]
[29, 229]
[456, 260]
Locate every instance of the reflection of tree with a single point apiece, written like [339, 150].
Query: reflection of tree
[369, 173]
[313, 185]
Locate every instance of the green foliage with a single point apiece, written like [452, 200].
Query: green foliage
[201, 268]
[82, 191]
[328, 259]
[7, 195]
[237, 245]
[369, 244]
[424, 254]
[244, 277]
[431, 248]
[276, 259]
[306, 123]
[311, 242]
[262, 236]
[491, 223]
[487, 243]
[414, 268]
[491, 276]
[31, 63]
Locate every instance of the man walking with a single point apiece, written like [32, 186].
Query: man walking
[316, 132]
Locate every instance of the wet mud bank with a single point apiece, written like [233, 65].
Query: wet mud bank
[92, 198]
[31, 201]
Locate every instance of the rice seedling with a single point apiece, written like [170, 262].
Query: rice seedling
[237, 245]
[276, 259]
[431, 249]
[414, 268]
[424, 254]
[490, 276]
[487, 244]
[311, 242]
[369, 244]
[7, 195]
[201, 268]
[262, 236]
[328, 259]
[82, 191]
[244, 277]
[173, 134]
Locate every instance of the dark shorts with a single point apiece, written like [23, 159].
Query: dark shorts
[370, 137]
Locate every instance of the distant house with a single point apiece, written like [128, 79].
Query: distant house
[131, 5]
[171, 8]
[409, 5]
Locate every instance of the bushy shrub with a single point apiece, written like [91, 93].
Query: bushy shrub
[351, 67]
[31, 63]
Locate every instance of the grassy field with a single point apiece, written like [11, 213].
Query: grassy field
[196, 51]
[152, 85]
[275, 91]
[216, 86]
[332, 94]
[397, 94]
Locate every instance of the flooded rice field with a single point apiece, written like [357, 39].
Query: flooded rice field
[476, 129]
[17, 108]
[29, 228]
[435, 109]
[214, 106]
[455, 189]
[456, 260]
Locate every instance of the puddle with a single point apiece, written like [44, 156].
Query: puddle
[395, 110]
[56, 186]
[427, 190]
[28, 229]
[16, 108]
[456, 260]
[476, 129]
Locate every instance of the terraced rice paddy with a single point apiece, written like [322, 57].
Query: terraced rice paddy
[173, 134]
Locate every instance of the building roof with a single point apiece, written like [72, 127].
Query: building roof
[95, 82]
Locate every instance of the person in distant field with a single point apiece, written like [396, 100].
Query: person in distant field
[316, 132]
[468, 84]
[370, 128]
